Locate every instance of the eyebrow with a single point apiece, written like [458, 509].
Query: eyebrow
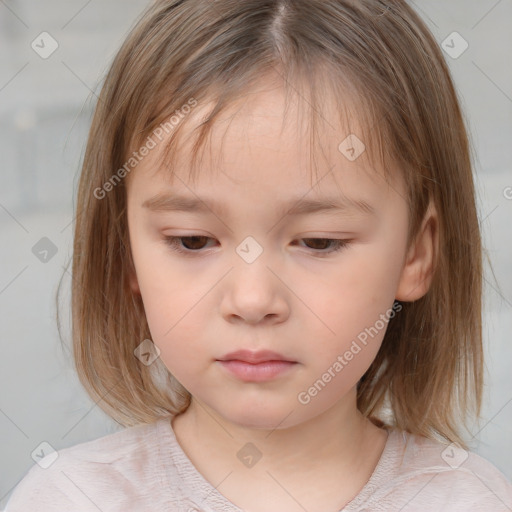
[295, 207]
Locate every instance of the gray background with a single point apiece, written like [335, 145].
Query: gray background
[45, 110]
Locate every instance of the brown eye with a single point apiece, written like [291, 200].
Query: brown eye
[327, 245]
[318, 243]
[187, 244]
[193, 243]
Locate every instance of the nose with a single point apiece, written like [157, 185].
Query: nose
[254, 294]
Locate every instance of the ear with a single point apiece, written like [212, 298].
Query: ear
[132, 276]
[419, 264]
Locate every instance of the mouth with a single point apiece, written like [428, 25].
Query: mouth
[256, 366]
[260, 356]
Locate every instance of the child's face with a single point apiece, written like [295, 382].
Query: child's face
[295, 298]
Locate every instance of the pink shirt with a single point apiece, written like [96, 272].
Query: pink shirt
[144, 468]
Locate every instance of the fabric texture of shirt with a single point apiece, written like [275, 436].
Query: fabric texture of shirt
[143, 468]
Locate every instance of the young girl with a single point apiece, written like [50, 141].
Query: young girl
[276, 339]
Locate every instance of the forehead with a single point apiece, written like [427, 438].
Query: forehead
[261, 143]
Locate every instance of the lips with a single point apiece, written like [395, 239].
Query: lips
[257, 357]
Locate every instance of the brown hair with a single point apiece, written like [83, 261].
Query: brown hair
[429, 367]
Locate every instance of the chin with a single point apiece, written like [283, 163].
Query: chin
[254, 418]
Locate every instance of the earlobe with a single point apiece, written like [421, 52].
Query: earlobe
[134, 284]
[418, 269]
[132, 278]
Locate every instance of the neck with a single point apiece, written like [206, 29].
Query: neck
[343, 426]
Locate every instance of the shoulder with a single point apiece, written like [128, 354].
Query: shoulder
[105, 470]
[431, 475]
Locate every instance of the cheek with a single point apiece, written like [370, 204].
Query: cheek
[352, 304]
[174, 313]
[170, 297]
[355, 293]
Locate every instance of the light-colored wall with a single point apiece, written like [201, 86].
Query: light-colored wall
[45, 109]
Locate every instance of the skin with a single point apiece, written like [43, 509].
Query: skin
[290, 300]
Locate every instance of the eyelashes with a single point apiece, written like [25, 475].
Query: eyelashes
[176, 244]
